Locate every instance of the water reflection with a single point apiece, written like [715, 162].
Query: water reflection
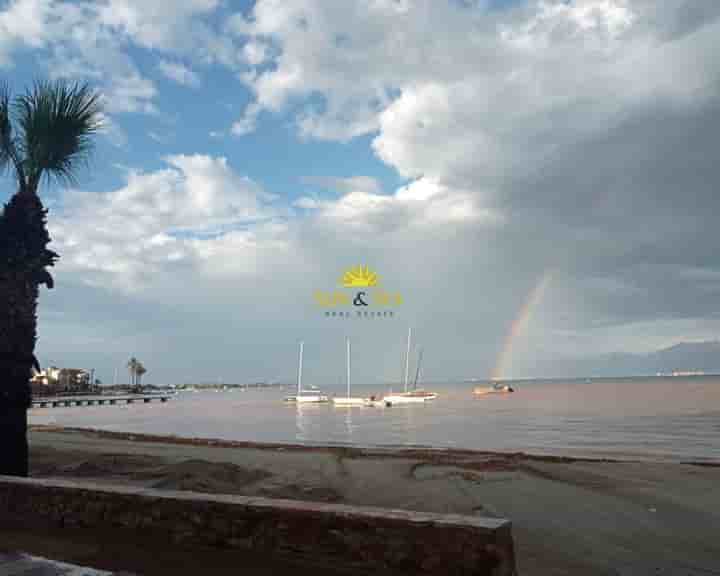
[305, 414]
[348, 426]
[409, 421]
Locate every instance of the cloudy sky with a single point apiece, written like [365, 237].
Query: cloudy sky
[538, 179]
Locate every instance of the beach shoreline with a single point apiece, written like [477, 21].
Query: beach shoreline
[389, 450]
[570, 516]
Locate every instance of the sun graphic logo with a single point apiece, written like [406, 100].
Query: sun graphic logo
[359, 277]
[358, 295]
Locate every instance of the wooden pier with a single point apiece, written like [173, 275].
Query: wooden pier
[68, 401]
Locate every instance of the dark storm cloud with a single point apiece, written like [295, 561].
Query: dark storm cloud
[638, 205]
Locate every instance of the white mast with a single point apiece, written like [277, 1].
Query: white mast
[348, 367]
[300, 368]
[407, 359]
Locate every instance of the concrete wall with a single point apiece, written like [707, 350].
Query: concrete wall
[369, 538]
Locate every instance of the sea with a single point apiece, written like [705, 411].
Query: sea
[674, 419]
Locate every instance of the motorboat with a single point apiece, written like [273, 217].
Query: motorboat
[496, 388]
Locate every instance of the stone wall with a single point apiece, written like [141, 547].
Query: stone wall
[369, 538]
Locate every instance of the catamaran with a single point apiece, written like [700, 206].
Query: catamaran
[301, 398]
[410, 396]
[349, 400]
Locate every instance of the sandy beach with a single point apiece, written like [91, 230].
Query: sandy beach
[570, 517]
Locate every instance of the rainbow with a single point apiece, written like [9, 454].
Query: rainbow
[519, 324]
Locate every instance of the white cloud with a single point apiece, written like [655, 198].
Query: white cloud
[131, 93]
[153, 25]
[91, 40]
[113, 132]
[25, 22]
[355, 55]
[179, 73]
[421, 204]
[182, 212]
[346, 185]
[254, 53]
[478, 82]
[552, 23]
[248, 122]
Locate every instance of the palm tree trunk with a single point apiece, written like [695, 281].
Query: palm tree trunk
[18, 302]
[23, 257]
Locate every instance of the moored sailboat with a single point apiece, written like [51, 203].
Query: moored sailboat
[414, 396]
[349, 400]
[299, 398]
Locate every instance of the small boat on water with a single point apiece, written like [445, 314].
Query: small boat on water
[375, 402]
[314, 396]
[413, 396]
[349, 400]
[496, 388]
[409, 398]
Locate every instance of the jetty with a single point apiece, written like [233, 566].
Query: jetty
[68, 401]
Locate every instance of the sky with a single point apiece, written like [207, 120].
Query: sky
[537, 179]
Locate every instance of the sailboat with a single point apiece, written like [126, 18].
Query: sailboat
[300, 397]
[410, 396]
[348, 400]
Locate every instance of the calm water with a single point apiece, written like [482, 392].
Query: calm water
[656, 418]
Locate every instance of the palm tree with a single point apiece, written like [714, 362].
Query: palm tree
[139, 371]
[132, 367]
[45, 133]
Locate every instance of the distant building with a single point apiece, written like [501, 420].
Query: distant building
[47, 377]
[55, 380]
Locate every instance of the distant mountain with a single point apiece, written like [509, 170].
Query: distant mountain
[704, 356]
[682, 357]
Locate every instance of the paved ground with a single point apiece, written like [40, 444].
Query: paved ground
[15, 564]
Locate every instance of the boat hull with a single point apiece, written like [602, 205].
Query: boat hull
[424, 395]
[410, 398]
[483, 391]
[350, 401]
[377, 403]
[308, 399]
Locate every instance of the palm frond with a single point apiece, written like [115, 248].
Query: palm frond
[57, 121]
[5, 128]
[8, 150]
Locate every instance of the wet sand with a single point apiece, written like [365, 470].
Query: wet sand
[570, 517]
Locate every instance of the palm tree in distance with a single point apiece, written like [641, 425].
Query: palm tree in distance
[45, 134]
[139, 371]
[136, 370]
[132, 366]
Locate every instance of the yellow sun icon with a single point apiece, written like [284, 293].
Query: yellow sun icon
[359, 277]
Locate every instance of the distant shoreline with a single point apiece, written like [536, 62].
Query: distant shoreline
[470, 381]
